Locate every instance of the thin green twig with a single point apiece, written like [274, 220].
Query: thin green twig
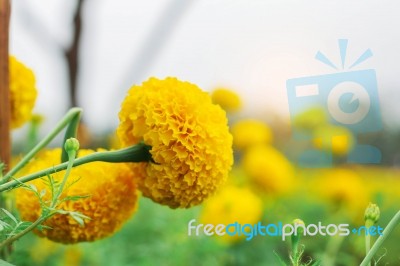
[72, 113]
[386, 233]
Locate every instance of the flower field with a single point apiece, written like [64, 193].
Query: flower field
[223, 160]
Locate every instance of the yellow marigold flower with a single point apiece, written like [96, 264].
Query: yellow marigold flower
[343, 188]
[22, 92]
[112, 198]
[250, 132]
[335, 139]
[227, 99]
[191, 143]
[269, 168]
[232, 204]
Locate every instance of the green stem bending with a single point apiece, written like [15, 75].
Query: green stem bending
[137, 153]
[388, 230]
[71, 132]
[72, 113]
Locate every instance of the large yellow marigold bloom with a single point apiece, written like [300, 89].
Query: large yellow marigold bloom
[112, 198]
[22, 92]
[191, 143]
[227, 99]
[250, 132]
[232, 204]
[269, 168]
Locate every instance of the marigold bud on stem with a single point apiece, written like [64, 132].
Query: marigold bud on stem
[372, 214]
[71, 144]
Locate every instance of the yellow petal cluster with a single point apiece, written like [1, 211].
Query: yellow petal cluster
[232, 204]
[250, 132]
[269, 168]
[335, 139]
[227, 99]
[112, 198]
[344, 189]
[190, 139]
[22, 92]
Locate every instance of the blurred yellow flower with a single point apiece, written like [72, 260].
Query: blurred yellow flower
[343, 188]
[190, 140]
[112, 198]
[336, 139]
[269, 168]
[227, 99]
[250, 132]
[232, 204]
[72, 256]
[22, 92]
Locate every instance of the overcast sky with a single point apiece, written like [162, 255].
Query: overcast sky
[252, 47]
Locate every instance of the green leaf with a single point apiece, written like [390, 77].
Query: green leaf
[12, 217]
[42, 193]
[33, 187]
[316, 263]
[79, 217]
[74, 198]
[281, 262]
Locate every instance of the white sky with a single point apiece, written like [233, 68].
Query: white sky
[252, 47]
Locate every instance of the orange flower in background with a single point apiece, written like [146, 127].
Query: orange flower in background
[23, 92]
[110, 188]
[189, 136]
[269, 168]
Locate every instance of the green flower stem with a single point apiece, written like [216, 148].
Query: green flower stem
[72, 113]
[388, 230]
[368, 224]
[295, 249]
[71, 132]
[71, 159]
[21, 234]
[137, 153]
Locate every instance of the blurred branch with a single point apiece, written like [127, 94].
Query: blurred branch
[156, 39]
[72, 54]
[36, 27]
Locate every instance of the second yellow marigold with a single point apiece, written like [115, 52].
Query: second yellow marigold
[112, 198]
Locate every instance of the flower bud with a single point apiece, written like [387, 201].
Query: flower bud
[71, 144]
[372, 214]
[299, 226]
